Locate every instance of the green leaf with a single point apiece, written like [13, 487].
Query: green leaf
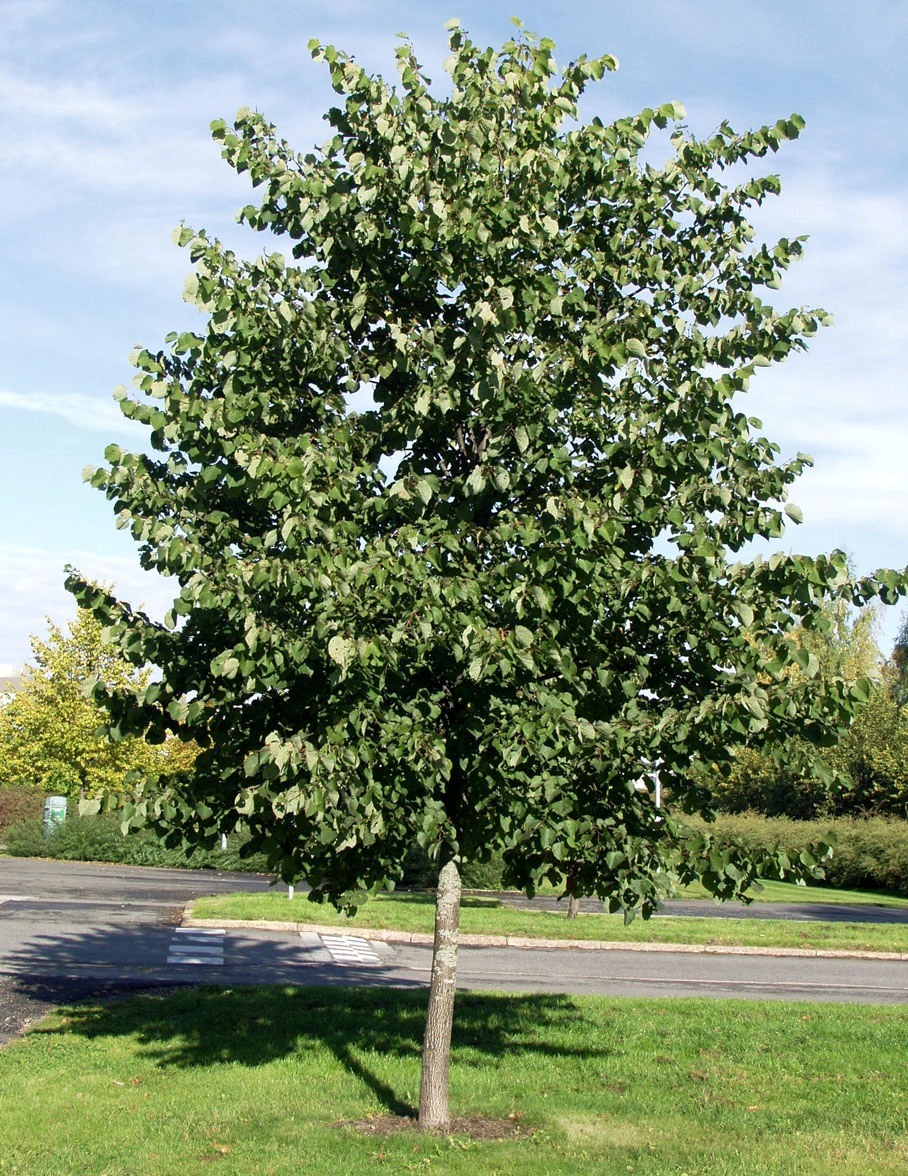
[341, 650]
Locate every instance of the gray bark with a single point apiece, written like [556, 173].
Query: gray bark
[573, 907]
[436, 1053]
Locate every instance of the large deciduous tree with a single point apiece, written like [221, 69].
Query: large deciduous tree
[473, 612]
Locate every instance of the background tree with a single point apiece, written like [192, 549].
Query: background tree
[471, 615]
[900, 665]
[872, 756]
[864, 773]
[51, 731]
[787, 778]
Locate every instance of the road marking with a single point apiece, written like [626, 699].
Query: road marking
[350, 949]
[197, 945]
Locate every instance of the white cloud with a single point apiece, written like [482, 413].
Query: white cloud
[86, 412]
[31, 590]
[69, 101]
[846, 401]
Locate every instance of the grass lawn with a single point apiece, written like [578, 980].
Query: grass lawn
[254, 1082]
[485, 915]
[790, 892]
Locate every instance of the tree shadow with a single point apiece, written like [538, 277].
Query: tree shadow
[214, 1017]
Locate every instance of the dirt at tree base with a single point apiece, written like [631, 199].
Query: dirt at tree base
[475, 1127]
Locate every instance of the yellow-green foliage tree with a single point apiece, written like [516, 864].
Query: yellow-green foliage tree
[872, 756]
[866, 768]
[50, 737]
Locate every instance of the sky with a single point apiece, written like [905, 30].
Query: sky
[105, 149]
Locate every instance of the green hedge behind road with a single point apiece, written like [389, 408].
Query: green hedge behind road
[870, 853]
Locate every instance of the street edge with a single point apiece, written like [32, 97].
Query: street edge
[526, 943]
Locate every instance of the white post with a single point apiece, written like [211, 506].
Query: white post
[289, 892]
[223, 841]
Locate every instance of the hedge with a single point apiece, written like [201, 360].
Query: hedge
[870, 853]
[98, 839]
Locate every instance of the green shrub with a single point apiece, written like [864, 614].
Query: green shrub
[871, 853]
[98, 839]
[421, 873]
[484, 875]
[25, 838]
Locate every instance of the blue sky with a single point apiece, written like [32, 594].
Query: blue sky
[104, 147]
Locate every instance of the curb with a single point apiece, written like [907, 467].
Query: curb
[523, 943]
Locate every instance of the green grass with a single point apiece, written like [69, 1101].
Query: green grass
[482, 915]
[255, 1081]
[790, 892]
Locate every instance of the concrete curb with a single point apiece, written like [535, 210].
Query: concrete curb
[524, 943]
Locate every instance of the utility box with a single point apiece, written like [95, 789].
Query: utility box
[54, 812]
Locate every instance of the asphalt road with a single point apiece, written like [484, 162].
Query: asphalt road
[801, 912]
[81, 930]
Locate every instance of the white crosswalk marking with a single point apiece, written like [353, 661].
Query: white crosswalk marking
[197, 945]
[350, 949]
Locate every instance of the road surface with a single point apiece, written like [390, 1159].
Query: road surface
[71, 930]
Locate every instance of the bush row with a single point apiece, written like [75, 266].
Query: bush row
[98, 839]
[870, 853]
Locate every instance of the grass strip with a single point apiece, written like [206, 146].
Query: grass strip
[240, 1081]
[774, 892]
[485, 915]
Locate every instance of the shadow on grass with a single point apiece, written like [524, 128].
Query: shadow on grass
[252, 1027]
[182, 1020]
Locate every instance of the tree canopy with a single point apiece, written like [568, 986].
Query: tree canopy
[457, 494]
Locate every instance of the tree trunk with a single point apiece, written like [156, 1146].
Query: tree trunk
[573, 906]
[436, 1051]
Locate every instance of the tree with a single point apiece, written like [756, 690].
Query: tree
[785, 779]
[900, 664]
[472, 614]
[872, 756]
[50, 731]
